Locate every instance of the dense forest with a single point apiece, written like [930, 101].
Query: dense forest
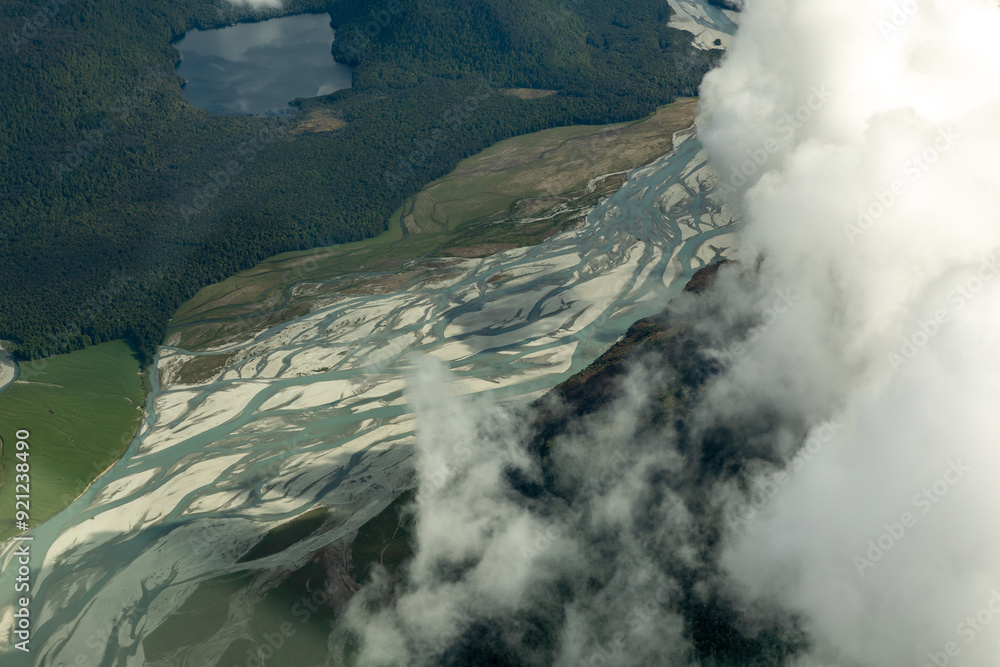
[119, 200]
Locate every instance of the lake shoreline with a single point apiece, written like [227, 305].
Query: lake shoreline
[257, 68]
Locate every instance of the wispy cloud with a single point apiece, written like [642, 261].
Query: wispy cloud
[863, 296]
[611, 546]
[589, 547]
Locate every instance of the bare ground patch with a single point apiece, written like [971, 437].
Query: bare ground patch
[480, 250]
[318, 122]
[197, 370]
[528, 93]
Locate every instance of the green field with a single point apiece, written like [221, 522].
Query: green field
[82, 410]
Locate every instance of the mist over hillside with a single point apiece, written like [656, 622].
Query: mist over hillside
[585, 529]
[802, 472]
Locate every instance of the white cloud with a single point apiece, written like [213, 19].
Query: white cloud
[910, 124]
[487, 556]
[864, 160]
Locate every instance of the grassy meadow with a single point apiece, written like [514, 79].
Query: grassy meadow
[82, 410]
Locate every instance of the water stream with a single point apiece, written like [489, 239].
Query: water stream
[313, 412]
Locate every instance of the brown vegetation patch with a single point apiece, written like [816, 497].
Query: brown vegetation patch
[704, 278]
[528, 93]
[441, 278]
[202, 369]
[480, 250]
[381, 284]
[528, 208]
[318, 122]
[200, 337]
[410, 223]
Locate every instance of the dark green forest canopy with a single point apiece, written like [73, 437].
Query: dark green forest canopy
[119, 200]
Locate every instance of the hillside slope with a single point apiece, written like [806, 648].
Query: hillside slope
[669, 360]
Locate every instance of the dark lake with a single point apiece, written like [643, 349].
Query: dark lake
[257, 68]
